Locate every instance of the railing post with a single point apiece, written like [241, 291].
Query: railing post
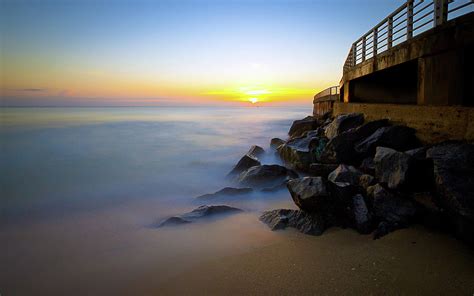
[364, 41]
[441, 12]
[390, 32]
[354, 54]
[375, 43]
[409, 19]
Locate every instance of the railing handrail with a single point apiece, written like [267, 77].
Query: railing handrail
[413, 20]
[330, 91]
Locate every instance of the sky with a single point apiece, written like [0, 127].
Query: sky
[177, 52]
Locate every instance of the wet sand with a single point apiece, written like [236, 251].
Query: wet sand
[413, 261]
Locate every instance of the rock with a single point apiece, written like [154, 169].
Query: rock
[299, 127]
[391, 208]
[430, 213]
[321, 169]
[366, 180]
[309, 193]
[172, 221]
[345, 174]
[306, 223]
[246, 162]
[361, 216]
[397, 137]
[199, 213]
[367, 166]
[342, 193]
[384, 228]
[454, 184]
[392, 167]
[266, 176]
[256, 151]
[343, 123]
[316, 147]
[226, 192]
[296, 152]
[276, 142]
[340, 149]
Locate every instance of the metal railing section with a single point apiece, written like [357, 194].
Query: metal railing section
[407, 21]
[330, 91]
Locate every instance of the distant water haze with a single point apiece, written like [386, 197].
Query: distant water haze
[83, 187]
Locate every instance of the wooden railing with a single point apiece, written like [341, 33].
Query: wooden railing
[328, 92]
[409, 20]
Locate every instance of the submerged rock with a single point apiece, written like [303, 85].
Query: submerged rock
[343, 123]
[199, 213]
[266, 176]
[454, 184]
[256, 151]
[225, 192]
[313, 224]
[299, 127]
[309, 193]
[244, 163]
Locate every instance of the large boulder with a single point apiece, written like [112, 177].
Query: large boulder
[309, 193]
[454, 184]
[276, 142]
[266, 176]
[392, 208]
[392, 167]
[296, 152]
[345, 174]
[226, 192]
[299, 127]
[340, 149]
[199, 213]
[361, 216]
[400, 138]
[343, 123]
[308, 223]
[321, 169]
[249, 160]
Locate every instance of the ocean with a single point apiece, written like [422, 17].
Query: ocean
[81, 189]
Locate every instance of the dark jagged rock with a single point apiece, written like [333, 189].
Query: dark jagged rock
[313, 224]
[342, 193]
[296, 152]
[366, 180]
[361, 216]
[309, 193]
[367, 166]
[299, 127]
[317, 146]
[343, 123]
[249, 160]
[340, 149]
[276, 142]
[400, 138]
[454, 184]
[345, 174]
[199, 213]
[256, 151]
[321, 169]
[430, 214]
[384, 228]
[266, 176]
[392, 208]
[225, 192]
[275, 188]
[392, 167]
[246, 162]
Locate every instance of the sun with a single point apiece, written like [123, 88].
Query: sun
[253, 100]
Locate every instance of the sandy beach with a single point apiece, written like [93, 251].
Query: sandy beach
[413, 261]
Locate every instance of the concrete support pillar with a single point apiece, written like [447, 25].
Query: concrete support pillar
[347, 92]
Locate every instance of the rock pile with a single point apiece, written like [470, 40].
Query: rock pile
[374, 177]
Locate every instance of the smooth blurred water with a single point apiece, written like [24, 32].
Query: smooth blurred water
[81, 188]
[75, 158]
